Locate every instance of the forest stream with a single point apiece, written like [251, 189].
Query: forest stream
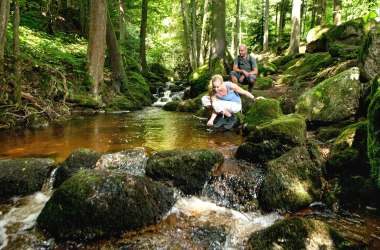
[195, 222]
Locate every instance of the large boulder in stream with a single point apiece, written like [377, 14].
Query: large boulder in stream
[99, 203]
[291, 182]
[23, 176]
[81, 158]
[188, 169]
[299, 233]
[332, 100]
[271, 139]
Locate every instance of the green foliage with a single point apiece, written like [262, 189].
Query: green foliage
[374, 136]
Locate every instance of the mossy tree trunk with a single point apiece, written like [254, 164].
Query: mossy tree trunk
[266, 27]
[284, 6]
[321, 12]
[4, 16]
[296, 21]
[218, 33]
[144, 20]
[16, 51]
[96, 44]
[187, 33]
[116, 62]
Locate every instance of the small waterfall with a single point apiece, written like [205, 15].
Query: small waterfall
[171, 92]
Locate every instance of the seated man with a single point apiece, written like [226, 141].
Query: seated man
[245, 68]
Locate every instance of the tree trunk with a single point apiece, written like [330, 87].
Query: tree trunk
[123, 31]
[62, 4]
[283, 10]
[16, 51]
[96, 44]
[295, 34]
[116, 61]
[266, 27]
[237, 28]
[4, 16]
[84, 10]
[218, 33]
[203, 34]
[187, 33]
[313, 15]
[276, 26]
[194, 28]
[321, 12]
[144, 20]
[337, 12]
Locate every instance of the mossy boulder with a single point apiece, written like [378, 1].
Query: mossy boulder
[266, 68]
[369, 55]
[121, 103]
[299, 233]
[138, 90]
[316, 39]
[271, 139]
[190, 105]
[263, 83]
[188, 169]
[306, 68]
[98, 203]
[263, 110]
[349, 152]
[374, 136]
[84, 101]
[199, 80]
[335, 69]
[23, 176]
[81, 158]
[292, 182]
[281, 61]
[350, 33]
[332, 100]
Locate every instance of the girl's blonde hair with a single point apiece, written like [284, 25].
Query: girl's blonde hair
[214, 79]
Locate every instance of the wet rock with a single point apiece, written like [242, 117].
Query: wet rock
[270, 140]
[299, 233]
[262, 111]
[80, 159]
[209, 237]
[132, 161]
[23, 176]
[369, 56]
[291, 182]
[99, 203]
[188, 169]
[316, 39]
[332, 100]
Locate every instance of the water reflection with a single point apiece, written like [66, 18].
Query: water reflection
[151, 128]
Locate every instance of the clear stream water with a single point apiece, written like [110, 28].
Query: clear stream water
[193, 223]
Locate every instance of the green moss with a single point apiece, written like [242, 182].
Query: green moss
[342, 31]
[137, 90]
[281, 61]
[266, 68]
[263, 83]
[199, 80]
[121, 103]
[85, 101]
[262, 111]
[344, 51]
[374, 136]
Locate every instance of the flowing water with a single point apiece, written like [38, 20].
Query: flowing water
[211, 221]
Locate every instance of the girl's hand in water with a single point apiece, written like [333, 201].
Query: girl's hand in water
[210, 123]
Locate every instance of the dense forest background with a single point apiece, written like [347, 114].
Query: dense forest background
[57, 55]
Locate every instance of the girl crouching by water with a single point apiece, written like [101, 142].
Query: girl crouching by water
[224, 99]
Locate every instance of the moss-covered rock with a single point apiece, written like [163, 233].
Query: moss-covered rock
[84, 101]
[190, 105]
[98, 203]
[369, 55]
[299, 233]
[79, 159]
[292, 181]
[281, 61]
[138, 90]
[333, 70]
[374, 136]
[121, 103]
[188, 169]
[349, 152]
[263, 83]
[263, 110]
[271, 139]
[306, 68]
[316, 39]
[199, 80]
[266, 68]
[350, 33]
[333, 100]
[23, 176]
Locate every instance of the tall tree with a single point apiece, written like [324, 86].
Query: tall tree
[321, 12]
[187, 33]
[115, 59]
[337, 12]
[4, 16]
[284, 6]
[84, 10]
[96, 44]
[201, 54]
[218, 34]
[296, 22]
[144, 21]
[16, 52]
[122, 22]
[266, 27]
[236, 29]
[194, 35]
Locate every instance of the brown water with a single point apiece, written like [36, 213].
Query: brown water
[151, 128]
